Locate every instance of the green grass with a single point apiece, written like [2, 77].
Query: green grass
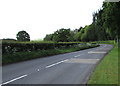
[107, 70]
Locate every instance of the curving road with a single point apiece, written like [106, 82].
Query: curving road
[69, 68]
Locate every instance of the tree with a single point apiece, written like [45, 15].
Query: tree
[112, 18]
[77, 36]
[48, 37]
[71, 36]
[23, 36]
[107, 21]
[62, 35]
[90, 32]
[84, 37]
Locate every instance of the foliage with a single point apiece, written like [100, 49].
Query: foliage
[13, 47]
[86, 34]
[107, 21]
[61, 35]
[77, 36]
[112, 16]
[23, 36]
[105, 24]
[27, 55]
[84, 37]
[48, 37]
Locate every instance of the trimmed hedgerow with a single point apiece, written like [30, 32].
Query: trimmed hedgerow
[13, 47]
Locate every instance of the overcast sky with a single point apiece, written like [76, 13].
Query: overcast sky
[41, 17]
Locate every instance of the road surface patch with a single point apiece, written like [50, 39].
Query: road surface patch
[89, 61]
[99, 52]
[61, 61]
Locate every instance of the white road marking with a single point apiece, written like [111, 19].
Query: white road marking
[56, 63]
[78, 55]
[38, 69]
[13, 80]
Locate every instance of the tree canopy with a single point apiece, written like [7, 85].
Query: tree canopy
[23, 36]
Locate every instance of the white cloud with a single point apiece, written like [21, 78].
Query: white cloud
[41, 17]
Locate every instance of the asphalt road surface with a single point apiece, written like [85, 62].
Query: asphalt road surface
[69, 68]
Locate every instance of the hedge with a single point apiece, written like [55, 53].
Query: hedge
[13, 47]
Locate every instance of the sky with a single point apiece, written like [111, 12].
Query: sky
[41, 17]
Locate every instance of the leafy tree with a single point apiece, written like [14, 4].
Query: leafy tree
[71, 36]
[112, 18]
[62, 35]
[80, 29]
[23, 36]
[77, 36]
[90, 32]
[86, 34]
[84, 38]
[107, 21]
[101, 30]
[48, 37]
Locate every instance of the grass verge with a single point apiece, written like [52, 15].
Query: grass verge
[22, 56]
[107, 70]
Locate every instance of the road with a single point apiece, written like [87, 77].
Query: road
[69, 68]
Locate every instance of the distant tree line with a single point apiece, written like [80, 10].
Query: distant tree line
[61, 35]
[9, 39]
[68, 35]
[105, 26]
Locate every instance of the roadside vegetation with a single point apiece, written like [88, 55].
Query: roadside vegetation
[20, 51]
[106, 71]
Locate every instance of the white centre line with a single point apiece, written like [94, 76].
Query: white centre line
[61, 62]
[56, 63]
[13, 80]
[38, 69]
[78, 55]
